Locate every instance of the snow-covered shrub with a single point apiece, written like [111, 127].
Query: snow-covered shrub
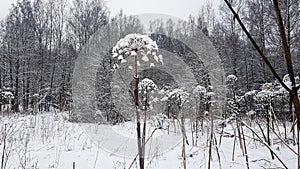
[178, 94]
[249, 100]
[160, 121]
[280, 101]
[267, 87]
[264, 98]
[7, 94]
[6, 98]
[159, 100]
[265, 95]
[176, 98]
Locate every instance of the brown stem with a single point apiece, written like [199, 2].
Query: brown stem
[245, 149]
[183, 142]
[144, 130]
[138, 123]
[284, 41]
[4, 147]
[287, 54]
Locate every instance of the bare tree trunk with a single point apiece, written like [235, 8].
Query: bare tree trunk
[16, 96]
[27, 85]
[53, 73]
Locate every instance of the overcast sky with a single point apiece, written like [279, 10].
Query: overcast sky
[4, 6]
[178, 8]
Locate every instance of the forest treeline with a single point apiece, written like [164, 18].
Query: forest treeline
[41, 39]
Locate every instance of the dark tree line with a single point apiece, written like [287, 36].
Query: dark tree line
[41, 39]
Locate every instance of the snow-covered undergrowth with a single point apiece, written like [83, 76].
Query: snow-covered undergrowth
[48, 140]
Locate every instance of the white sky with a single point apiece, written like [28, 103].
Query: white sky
[4, 6]
[178, 8]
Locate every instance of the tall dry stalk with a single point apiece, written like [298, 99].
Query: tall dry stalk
[211, 139]
[138, 122]
[4, 146]
[245, 148]
[183, 141]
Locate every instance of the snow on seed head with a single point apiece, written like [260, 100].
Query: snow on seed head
[147, 85]
[267, 86]
[264, 96]
[134, 44]
[231, 79]
[199, 90]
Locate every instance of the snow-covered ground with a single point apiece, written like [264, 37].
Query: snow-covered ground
[48, 141]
